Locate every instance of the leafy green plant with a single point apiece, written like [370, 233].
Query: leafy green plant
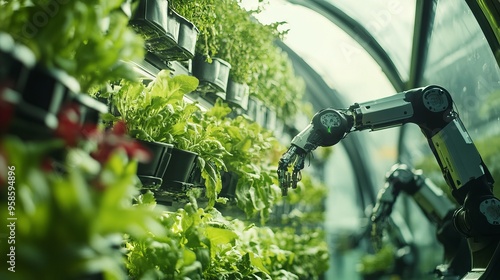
[307, 202]
[275, 83]
[252, 153]
[203, 14]
[230, 32]
[202, 244]
[160, 112]
[156, 112]
[211, 18]
[90, 40]
[254, 163]
[206, 138]
[243, 41]
[380, 262]
[65, 223]
[166, 256]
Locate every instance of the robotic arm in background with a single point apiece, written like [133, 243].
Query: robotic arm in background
[435, 205]
[431, 108]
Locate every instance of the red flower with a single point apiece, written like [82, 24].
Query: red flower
[69, 128]
[72, 132]
[120, 128]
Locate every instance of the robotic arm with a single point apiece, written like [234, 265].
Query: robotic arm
[431, 108]
[435, 205]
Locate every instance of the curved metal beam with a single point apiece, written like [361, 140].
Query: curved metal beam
[425, 12]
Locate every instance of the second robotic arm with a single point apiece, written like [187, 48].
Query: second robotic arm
[435, 205]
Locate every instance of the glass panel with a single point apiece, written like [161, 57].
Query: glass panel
[390, 23]
[341, 61]
[343, 64]
[461, 61]
[342, 215]
[348, 68]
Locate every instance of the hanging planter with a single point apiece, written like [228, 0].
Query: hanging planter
[45, 92]
[213, 76]
[237, 94]
[151, 173]
[177, 179]
[184, 33]
[152, 112]
[167, 34]
[150, 19]
[188, 36]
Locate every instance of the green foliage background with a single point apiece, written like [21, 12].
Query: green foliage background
[92, 219]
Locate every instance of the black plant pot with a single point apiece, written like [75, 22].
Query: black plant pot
[180, 169]
[165, 50]
[237, 94]
[45, 92]
[188, 36]
[151, 173]
[150, 19]
[184, 33]
[213, 76]
[229, 183]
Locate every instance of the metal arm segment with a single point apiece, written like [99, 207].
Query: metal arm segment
[431, 108]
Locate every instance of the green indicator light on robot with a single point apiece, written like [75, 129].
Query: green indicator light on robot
[330, 130]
